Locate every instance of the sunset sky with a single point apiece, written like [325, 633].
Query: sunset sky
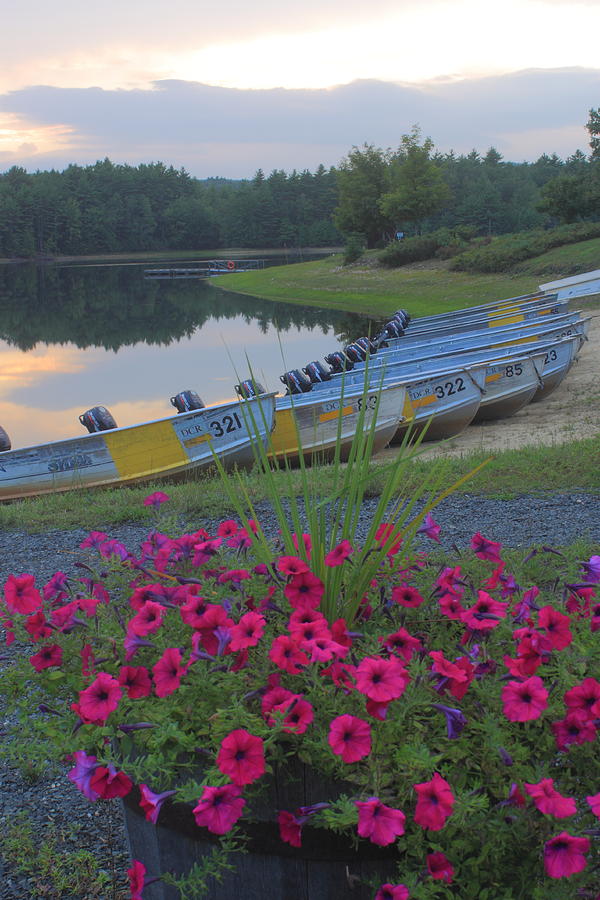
[225, 88]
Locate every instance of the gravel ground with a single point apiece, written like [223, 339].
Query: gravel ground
[57, 809]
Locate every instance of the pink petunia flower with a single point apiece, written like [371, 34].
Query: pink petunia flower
[594, 804]
[563, 855]
[156, 499]
[151, 803]
[298, 714]
[389, 891]
[387, 534]
[148, 619]
[286, 654]
[575, 728]
[434, 804]
[136, 681]
[101, 698]
[402, 644]
[304, 589]
[439, 867]
[485, 614]
[108, 783]
[407, 596]
[136, 875]
[292, 565]
[381, 679]
[549, 801]
[379, 823]
[486, 549]
[21, 595]
[82, 772]
[430, 528]
[585, 697]
[248, 631]
[524, 700]
[290, 828]
[219, 808]
[350, 738]
[556, 626]
[47, 657]
[339, 554]
[241, 757]
[168, 672]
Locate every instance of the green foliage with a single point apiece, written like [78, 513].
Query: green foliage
[354, 249]
[55, 872]
[593, 127]
[362, 177]
[504, 253]
[412, 249]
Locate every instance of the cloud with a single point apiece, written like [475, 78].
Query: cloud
[229, 132]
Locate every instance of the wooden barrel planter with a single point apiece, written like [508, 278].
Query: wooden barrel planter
[327, 866]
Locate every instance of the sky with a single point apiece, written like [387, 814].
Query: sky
[225, 88]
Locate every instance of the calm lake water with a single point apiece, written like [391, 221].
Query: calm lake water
[73, 337]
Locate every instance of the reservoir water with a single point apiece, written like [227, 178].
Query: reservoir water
[77, 336]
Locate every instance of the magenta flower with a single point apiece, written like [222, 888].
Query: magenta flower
[524, 700]
[339, 554]
[549, 801]
[82, 772]
[585, 697]
[47, 657]
[594, 804]
[247, 632]
[381, 679]
[430, 528]
[219, 808]
[108, 783]
[304, 589]
[101, 698]
[575, 728]
[286, 654]
[556, 625]
[156, 499]
[379, 823]
[298, 714]
[434, 804]
[439, 867]
[168, 672]
[407, 596]
[148, 619]
[563, 855]
[94, 539]
[292, 565]
[151, 803]
[485, 614]
[290, 828]
[486, 549]
[402, 644]
[350, 738]
[241, 757]
[21, 595]
[136, 681]
[136, 875]
[392, 892]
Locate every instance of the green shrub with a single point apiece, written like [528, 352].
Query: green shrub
[503, 253]
[354, 248]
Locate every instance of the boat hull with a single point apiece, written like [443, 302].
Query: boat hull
[312, 424]
[173, 447]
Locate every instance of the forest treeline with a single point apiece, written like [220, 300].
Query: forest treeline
[108, 207]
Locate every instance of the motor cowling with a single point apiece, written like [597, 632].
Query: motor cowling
[339, 362]
[296, 382]
[393, 329]
[249, 388]
[186, 401]
[355, 352]
[4, 440]
[316, 372]
[367, 344]
[403, 313]
[98, 418]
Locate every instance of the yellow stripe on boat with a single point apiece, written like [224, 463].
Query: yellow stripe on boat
[508, 320]
[495, 377]
[150, 448]
[424, 401]
[284, 437]
[327, 417]
[525, 340]
[201, 439]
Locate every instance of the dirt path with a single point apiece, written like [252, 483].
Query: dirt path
[571, 412]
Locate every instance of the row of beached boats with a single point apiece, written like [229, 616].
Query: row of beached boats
[434, 375]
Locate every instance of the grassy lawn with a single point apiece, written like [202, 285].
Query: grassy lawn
[423, 288]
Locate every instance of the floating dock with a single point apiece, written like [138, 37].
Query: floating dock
[206, 268]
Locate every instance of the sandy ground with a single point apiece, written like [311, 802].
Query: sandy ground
[571, 412]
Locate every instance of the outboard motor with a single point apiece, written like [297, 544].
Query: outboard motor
[316, 372]
[296, 382]
[186, 401]
[339, 362]
[97, 419]
[393, 330]
[249, 388]
[4, 440]
[405, 313]
[355, 352]
[367, 344]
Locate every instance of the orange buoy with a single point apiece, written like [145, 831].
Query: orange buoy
[231, 265]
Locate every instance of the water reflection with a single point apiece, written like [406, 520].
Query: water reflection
[71, 338]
